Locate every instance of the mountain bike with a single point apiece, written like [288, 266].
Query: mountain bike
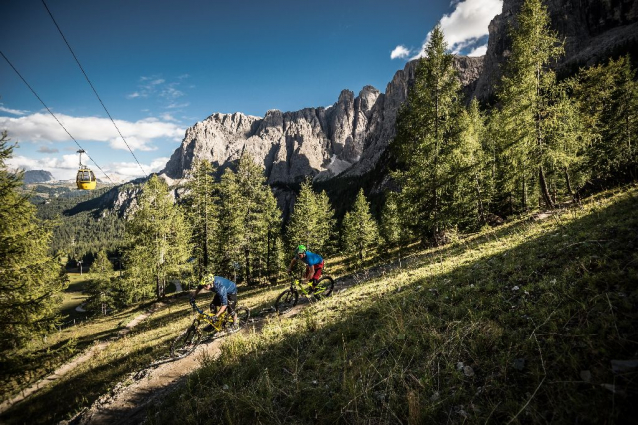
[288, 299]
[225, 324]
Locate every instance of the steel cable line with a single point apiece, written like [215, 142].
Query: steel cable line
[53, 115]
[91, 84]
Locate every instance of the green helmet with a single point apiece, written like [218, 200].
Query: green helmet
[300, 249]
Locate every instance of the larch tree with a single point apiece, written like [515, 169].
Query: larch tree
[312, 220]
[158, 240]
[201, 206]
[31, 281]
[607, 97]
[426, 128]
[470, 172]
[102, 290]
[526, 95]
[249, 223]
[359, 230]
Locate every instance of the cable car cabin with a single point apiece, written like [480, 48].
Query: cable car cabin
[86, 179]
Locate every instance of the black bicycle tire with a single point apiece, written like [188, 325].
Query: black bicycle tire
[329, 288]
[182, 338]
[283, 306]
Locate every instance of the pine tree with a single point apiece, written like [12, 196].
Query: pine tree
[324, 237]
[426, 128]
[566, 140]
[102, 289]
[470, 170]
[158, 242]
[229, 234]
[359, 230]
[607, 97]
[201, 205]
[312, 220]
[249, 223]
[30, 279]
[526, 96]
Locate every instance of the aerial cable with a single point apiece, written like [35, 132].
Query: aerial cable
[53, 115]
[94, 91]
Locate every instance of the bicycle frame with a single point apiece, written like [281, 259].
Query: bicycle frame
[297, 286]
[217, 325]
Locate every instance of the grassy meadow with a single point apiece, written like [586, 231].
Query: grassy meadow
[528, 322]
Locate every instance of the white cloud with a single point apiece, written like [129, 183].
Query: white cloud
[65, 168]
[171, 93]
[177, 105]
[134, 95]
[12, 111]
[466, 24]
[478, 51]
[168, 117]
[139, 135]
[46, 149]
[400, 52]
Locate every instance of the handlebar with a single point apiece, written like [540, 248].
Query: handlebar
[197, 309]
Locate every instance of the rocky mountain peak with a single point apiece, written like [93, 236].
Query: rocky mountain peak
[318, 142]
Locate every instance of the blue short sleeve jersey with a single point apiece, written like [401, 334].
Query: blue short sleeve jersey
[223, 287]
[311, 259]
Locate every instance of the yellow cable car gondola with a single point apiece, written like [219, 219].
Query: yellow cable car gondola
[85, 178]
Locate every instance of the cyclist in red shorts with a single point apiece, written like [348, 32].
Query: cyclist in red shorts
[313, 262]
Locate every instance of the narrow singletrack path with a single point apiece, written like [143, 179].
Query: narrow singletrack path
[130, 400]
[75, 362]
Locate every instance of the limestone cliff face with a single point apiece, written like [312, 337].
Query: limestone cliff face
[591, 29]
[318, 142]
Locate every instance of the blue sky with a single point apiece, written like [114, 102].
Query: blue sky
[160, 66]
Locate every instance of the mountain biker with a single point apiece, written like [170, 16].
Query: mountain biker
[225, 296]
[313, 262]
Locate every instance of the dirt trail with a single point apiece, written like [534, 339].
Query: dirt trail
[67, 367]
[128, 402]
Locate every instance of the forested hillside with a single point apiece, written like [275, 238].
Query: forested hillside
[83, 225]
[485, 268]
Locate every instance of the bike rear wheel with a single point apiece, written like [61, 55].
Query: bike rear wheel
[186, 342]
[324, 287]
[286, 300]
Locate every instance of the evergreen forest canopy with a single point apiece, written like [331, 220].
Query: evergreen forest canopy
[544, 143]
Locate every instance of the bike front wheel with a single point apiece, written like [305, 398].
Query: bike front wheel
[186, 343]
[286, 300]
[324, 287]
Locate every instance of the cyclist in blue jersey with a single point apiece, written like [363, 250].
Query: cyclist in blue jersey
[225, 295]
[313, 262]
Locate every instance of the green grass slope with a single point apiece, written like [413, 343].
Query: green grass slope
[532, 322]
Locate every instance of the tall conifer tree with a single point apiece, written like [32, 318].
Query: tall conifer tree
[526, 94]
[426, 128]
[312, 220]
[607, 97]
[201, 205]
[359, 230]
[158, 242]
[30, 279]
[249, 223]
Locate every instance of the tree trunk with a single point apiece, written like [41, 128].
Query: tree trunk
[524, 194]
[481, 211]
[268, 261]
[544, 189]
[248, 278]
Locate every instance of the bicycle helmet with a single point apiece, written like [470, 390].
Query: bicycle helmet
[301, 249]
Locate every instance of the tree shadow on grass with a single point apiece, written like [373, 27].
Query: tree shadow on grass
[481, 340]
